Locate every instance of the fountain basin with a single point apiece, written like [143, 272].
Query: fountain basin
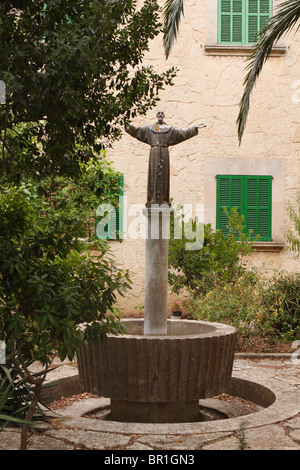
[159, 378]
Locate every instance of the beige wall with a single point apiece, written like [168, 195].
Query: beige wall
[208, 88]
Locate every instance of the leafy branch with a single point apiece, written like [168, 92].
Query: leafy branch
[286, 18]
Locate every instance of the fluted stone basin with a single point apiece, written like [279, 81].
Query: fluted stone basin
[159, 378]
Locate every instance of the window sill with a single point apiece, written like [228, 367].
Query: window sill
[239, 50]
[270, 247]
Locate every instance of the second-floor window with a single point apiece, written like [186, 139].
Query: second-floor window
[240, 21]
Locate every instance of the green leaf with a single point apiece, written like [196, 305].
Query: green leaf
[285, 19]
[5, 417]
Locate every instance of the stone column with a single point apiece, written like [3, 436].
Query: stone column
[156, 269]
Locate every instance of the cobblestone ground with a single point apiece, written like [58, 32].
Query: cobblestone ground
[273, 428]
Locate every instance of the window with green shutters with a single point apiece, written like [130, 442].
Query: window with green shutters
[239, 21]
[109, 217]
[252, 196]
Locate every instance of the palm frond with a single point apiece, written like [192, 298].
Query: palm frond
[172, 13]
[286, 18]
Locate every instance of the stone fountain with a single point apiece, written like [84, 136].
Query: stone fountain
[159, 370]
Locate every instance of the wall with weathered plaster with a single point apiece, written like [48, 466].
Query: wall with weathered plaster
[208, 88]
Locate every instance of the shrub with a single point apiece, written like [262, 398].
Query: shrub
[270, 309]
[293, 236]
[237, 303]
[15, 395]
[50, 284]
[219, 260]
[281, 299]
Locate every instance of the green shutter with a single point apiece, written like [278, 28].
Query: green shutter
[259, 12]
[223, 198]
[251, 205]
[252, 196]
[265, 12]
[229, 195]
[105, 223]
[119, 209]
[114, 227]
[239, 21]
[259, 206]
[252, 19]
[231, 21]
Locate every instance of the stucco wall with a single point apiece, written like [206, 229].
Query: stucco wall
[208, 88]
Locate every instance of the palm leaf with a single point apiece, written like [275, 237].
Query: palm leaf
[285, 19]
[172, 12]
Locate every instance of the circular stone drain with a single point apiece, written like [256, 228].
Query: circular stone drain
[243, 398]
[210, 409]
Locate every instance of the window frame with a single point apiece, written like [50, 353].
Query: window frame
[211, 46]
[245, 22]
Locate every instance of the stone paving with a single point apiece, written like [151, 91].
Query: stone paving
[276, 427]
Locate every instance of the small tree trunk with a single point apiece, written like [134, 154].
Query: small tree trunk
[29, 415]
[22, 369]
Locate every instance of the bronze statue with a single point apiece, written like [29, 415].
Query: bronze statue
[160, 136]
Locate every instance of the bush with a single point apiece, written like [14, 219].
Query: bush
[222, 290]
[49, 282]
[49, 285]
[237, 303]
[281, 300]
[270, 309]
[15, 395]
[293, 236]
[219, 260]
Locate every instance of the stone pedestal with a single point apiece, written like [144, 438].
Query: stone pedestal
[156, 269]
[159, 369]
[159, 378]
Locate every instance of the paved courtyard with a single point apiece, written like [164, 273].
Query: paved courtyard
[276, 427]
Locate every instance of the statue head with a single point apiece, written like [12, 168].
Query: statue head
[160, 116]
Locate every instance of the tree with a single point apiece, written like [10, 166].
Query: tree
[50, 285]
[73, 73]
[286, 18]
[172, 13]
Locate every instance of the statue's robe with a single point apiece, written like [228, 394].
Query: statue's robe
[160, 137]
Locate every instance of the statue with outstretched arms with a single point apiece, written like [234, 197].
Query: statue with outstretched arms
[160, 136]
